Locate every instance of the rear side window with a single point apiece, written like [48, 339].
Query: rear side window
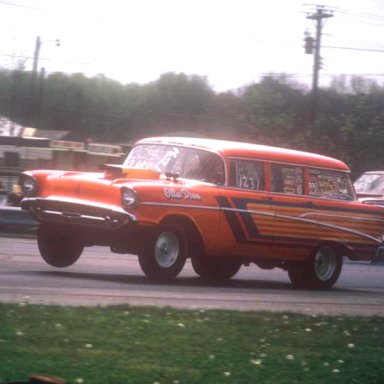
[247, 174]
[330, 185]
[287, 179]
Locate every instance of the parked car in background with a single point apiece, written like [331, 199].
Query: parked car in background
[221, 204]
[3, 195]
[370, 190]
[370, 187]
[12, 198]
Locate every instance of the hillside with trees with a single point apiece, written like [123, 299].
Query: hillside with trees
[349, 122]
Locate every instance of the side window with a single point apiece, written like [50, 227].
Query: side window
[287, 179]
[214, 172]
[204, 166]
[247, 174]
[330, 185]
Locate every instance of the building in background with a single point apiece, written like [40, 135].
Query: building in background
[25, 148]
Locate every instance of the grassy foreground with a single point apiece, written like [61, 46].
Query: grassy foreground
[123, 344]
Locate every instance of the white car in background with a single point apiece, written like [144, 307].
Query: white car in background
[370, 190]
[370, 187]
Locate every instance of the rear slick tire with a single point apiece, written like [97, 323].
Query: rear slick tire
[58, 249]
[320, 271]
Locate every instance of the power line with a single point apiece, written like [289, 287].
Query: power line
[26, 57]
[354, 49]
[381, 25]
[358, 14]
[14, 55]
[326, 74]
[20, 5]
[356, 44]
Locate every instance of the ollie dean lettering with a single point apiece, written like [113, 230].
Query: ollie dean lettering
[171, 193]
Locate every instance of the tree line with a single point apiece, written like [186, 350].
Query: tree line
[349, 122]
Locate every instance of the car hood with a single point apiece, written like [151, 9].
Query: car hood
[102, 187]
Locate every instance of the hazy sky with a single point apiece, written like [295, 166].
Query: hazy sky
[231, 42]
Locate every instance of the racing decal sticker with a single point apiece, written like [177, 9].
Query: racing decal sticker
[180, 194]
[245, 214]
[240, 219]
[232, 219]
[294, 230]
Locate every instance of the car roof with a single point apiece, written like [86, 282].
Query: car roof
[373, 173]
[241, 149]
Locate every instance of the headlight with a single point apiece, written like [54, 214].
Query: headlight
[128, 197]
[28, 185]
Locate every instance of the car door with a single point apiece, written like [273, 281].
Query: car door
[289, 203]
[247, 221]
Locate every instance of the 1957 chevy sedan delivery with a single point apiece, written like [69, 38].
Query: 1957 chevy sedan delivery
[222, 204]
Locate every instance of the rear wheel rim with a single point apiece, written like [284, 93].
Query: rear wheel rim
[167, 249]
[325, 263]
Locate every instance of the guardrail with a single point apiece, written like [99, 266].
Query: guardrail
[16, 217]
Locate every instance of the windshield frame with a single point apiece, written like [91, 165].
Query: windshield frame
[181, 161]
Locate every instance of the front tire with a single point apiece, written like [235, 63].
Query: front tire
[320, 271]
[59, 249]
[164, 255]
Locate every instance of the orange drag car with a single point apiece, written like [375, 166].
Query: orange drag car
[222, 204]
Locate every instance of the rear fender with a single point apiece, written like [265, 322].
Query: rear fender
[341, 248]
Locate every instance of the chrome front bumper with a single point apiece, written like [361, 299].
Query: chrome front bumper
[77, 212]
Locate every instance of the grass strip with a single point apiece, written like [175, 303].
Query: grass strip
[124, 344]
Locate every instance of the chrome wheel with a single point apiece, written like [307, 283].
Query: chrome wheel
[325, 263]
[320, 271]
[167, 249]
[164, 252]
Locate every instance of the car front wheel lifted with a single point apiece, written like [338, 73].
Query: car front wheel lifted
[58, 248]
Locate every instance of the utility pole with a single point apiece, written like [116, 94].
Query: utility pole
[315, 43]
[37, 85]
[39, 98]
[32, 98]
[36, 55]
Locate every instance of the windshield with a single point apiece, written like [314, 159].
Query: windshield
[189, 163]
[370, 183]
